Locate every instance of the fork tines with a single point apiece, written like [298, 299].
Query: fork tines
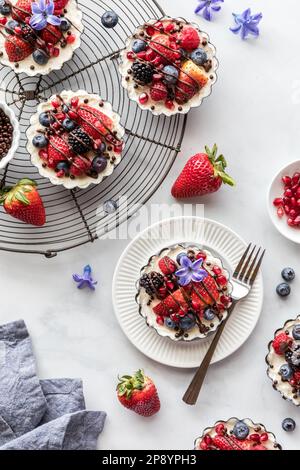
[248, 267]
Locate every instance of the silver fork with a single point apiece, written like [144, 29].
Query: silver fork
[242, 281]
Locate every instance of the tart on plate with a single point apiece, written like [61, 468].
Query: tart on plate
[38, 36]
[284, 361]
[168, 66]
[184, 293]
[75, 139]
[236, 434]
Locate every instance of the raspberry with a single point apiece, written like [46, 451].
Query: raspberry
[189, 38]
[159, 92]
[80, 166]
[281, 343]
[167, 265]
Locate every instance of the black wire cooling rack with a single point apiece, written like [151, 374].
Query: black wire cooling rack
[152, 143]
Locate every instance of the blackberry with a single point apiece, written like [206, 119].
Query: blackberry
[28, 34]
[80, 141]
[142, 73]
[151, 282]
[295, 358]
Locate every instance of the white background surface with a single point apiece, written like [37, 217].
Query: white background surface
[254, 116]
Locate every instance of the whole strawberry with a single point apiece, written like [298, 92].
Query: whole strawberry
[138, 393]
[203, 174]
[23, 202]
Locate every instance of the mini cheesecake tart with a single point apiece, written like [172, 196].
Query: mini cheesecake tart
[75, 139]
[237, 434]
[284, 361]
[184, 293]
[29, 48]
[168, 66]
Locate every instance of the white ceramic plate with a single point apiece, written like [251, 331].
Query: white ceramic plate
[276, 190]
[16, 134]
[217, 238]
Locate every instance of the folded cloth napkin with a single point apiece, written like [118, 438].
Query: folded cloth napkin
[40, 414]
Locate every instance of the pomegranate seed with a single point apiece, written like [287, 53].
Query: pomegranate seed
[181, 313]
[298, 202]
[71, 39]
[56, 125]
[280, 212]
[174, 318]
[3, 21]
[225, 300]
[293, 382]
[291, 222]
[73, 115]
[293, 202]
[55, 52]
[159, 25]
[292, 214]
[264, 437]
[201, 255]
[150, 55]
[222, 280]
[217, 271]
[169, 104]
[296, 178]
[141, 55]
[170, 285]
[143, 98]
[18, 30]
[207, 439]
[287, 180]
[118, 149]
[169, 28]
[298, 192]
[220, 429]
[60, 174]
[254, 437]
[277, 202]
[74, 102]
[288, 193]
[297, 220]
[294, 188]
[287, 209]
[130, 55]
[55, 104]
[159, 320]
[157, 77]
[150, 30]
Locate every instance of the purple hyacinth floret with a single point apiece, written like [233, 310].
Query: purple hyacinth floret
[206, 8]
[42, 14]
[191, 271]
[85, 280]
[246, 24]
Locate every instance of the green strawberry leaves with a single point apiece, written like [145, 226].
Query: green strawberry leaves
[18, 192]
[128, 384]
[219, 164]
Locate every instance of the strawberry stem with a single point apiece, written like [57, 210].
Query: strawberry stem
[220, 164]
[128, 384]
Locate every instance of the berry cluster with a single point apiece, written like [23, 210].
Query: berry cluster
[237, 435]
[22, 39]
[170, 63]
[289, 203]
[182, 308]
[77, 139]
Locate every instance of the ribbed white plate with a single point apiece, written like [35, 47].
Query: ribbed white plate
[220, 240]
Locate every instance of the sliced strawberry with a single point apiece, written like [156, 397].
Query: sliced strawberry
[205, 293]
[58, 150]
[167, 265]
[17, 48]
[59, 6]
[21, 10]
[165, 48]
[94, 122]
[80, 166]
[174, 303]
[51, 34]
[185, 89]
[231, 443]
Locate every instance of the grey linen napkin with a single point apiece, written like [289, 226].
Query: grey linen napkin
[22, 402]
[77, 431]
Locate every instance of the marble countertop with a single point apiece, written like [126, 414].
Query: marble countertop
[253, 115]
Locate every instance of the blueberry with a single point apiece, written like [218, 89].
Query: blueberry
[69, 125]
[101, 149]
[288, 274]
[187, 322]
[139, 46]
[283, 290]
[110, 206]
[109, 19]
[296, 331]
[63, 166]
[179, 256]
[241, 430]
[99, 164]
[5, 9]
[170, 74]
[288, 425]
[45, 119]
[65, 24]
[40, 141]
[170, 323]
[199, 56]
[10, 26]
[286, 372]
[209, 314]
[40, 57]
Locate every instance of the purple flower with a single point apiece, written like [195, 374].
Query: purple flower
[190, 271]
[207, 7]
[42, 14]
[246, 24]
[86, 279]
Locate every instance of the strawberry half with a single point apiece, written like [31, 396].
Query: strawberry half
[93, 122]
[58, 151]
[59, 5]
[51, 34]
[21, 10]
[139, 394]
[231, 443]
[165, 47]
[174, 303]
[24, 203]
[17, 48]
[204, 173]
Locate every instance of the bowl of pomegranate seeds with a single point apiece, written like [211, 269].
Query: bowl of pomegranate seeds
[284, 201]
[237, 434]
[168, 66]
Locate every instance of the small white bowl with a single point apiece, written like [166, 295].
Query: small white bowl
[16, 134]
[276, 190]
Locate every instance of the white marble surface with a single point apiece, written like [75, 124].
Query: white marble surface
[254, 116]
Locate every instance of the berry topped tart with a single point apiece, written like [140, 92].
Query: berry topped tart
[75, 139]
[168, 66]
[184, 293]
[236, 434]
[284, 361]
[38, 36]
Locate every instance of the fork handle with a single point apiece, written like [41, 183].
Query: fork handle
[191, 395]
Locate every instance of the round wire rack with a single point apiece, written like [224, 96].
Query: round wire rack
[152, 143]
